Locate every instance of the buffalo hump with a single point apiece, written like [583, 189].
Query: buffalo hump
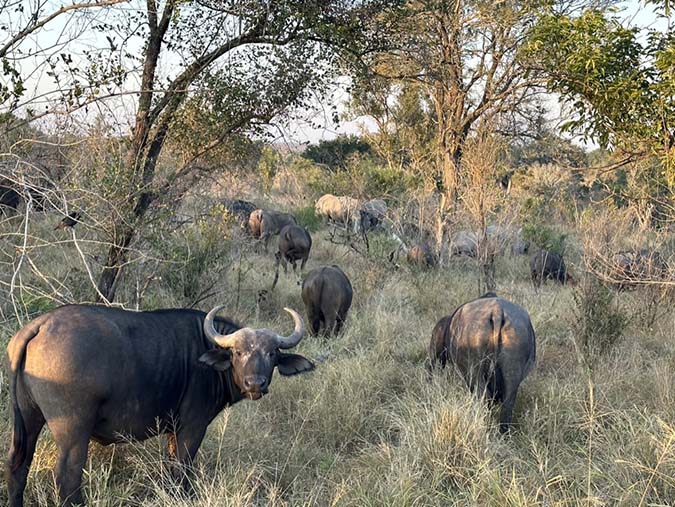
[491, 342]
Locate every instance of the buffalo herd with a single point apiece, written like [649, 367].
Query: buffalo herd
[106, 374]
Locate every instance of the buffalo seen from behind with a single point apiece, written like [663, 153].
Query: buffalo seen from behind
[327, 294]
[107, 374]
[492, 344]
[295, 244]
[547, 265]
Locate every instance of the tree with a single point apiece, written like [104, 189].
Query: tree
[617, 86]
[465, 55]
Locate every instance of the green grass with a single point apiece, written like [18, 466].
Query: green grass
[366, 428]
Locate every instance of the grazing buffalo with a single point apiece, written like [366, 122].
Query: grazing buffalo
[464, 243]
[101, 373]
[632, 267]
[294, 245]
[420, 256]
[264, 224]
[327, 294]
[491, 342]
[339, 210]
[241, 210]
[70, 220]
[371, 214]
[547, 265]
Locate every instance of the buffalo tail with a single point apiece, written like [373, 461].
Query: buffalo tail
[17, 360]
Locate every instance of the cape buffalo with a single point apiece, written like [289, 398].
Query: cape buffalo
[340, 210]
[264, 224]
[547, 265]
[70, 220]
[241, 210]
[464, 243]
[632, 267]
[491, 342]
[327, 294]
[421, 256]
[101, 373]
[371, 214]
[294, 245]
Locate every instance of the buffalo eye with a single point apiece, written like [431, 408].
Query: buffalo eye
[239, 353]
[272, 353]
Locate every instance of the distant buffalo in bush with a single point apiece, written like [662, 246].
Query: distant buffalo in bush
[547, 265]
[371, 214]
[492, 344]
[464, 243]
[264, 224]
[241, 210]
[327, 294]
[630, 268]
[421, 256]
[341, 210]
[294, 245]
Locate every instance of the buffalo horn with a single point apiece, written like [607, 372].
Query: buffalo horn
[287, 342]
[225, 341]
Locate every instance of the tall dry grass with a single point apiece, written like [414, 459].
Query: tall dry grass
[366, 428]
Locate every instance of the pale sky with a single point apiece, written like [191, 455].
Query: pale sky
[319, 124]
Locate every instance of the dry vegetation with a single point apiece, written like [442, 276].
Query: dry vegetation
[367, 428]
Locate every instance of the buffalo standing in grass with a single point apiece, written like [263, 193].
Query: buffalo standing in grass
[264, 224]
[340, 210]
[371, 214]
[631, 268]
[327, 294]
[239, 209]
[491, 342]
[294, 245]
[547, 265]
[93, 372]
[420, 256]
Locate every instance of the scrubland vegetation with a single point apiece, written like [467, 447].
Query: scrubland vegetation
[460, 140]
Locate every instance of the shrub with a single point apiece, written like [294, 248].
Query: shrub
[308, 218]
[599, 323]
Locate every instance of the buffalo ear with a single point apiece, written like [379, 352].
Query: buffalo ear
[292, 364]
[218, 359]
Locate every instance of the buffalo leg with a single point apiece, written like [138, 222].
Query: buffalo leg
[330, 324]
[508, 401]
[185, 443]
[72, 439]
[314, 318]
[302, 264]
[16, 479]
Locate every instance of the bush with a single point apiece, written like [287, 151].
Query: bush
[308, 218]
[599, 323]
[534, 230]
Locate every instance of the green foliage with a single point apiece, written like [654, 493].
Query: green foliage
[536, 230]
[598, 320]
[334, 153]
[267, 167]
[195, 259]
[620, 88]
[315, 177]
[308, 218]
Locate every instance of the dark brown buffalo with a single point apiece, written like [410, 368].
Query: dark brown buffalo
[547, 265]
[327, 294]
[70, 220]
[109, 375]
[294, 245]
[492, 344]
[420, 256]
[239, 209]
[264, 224]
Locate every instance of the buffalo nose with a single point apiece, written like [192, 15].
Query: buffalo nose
[252, 382]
